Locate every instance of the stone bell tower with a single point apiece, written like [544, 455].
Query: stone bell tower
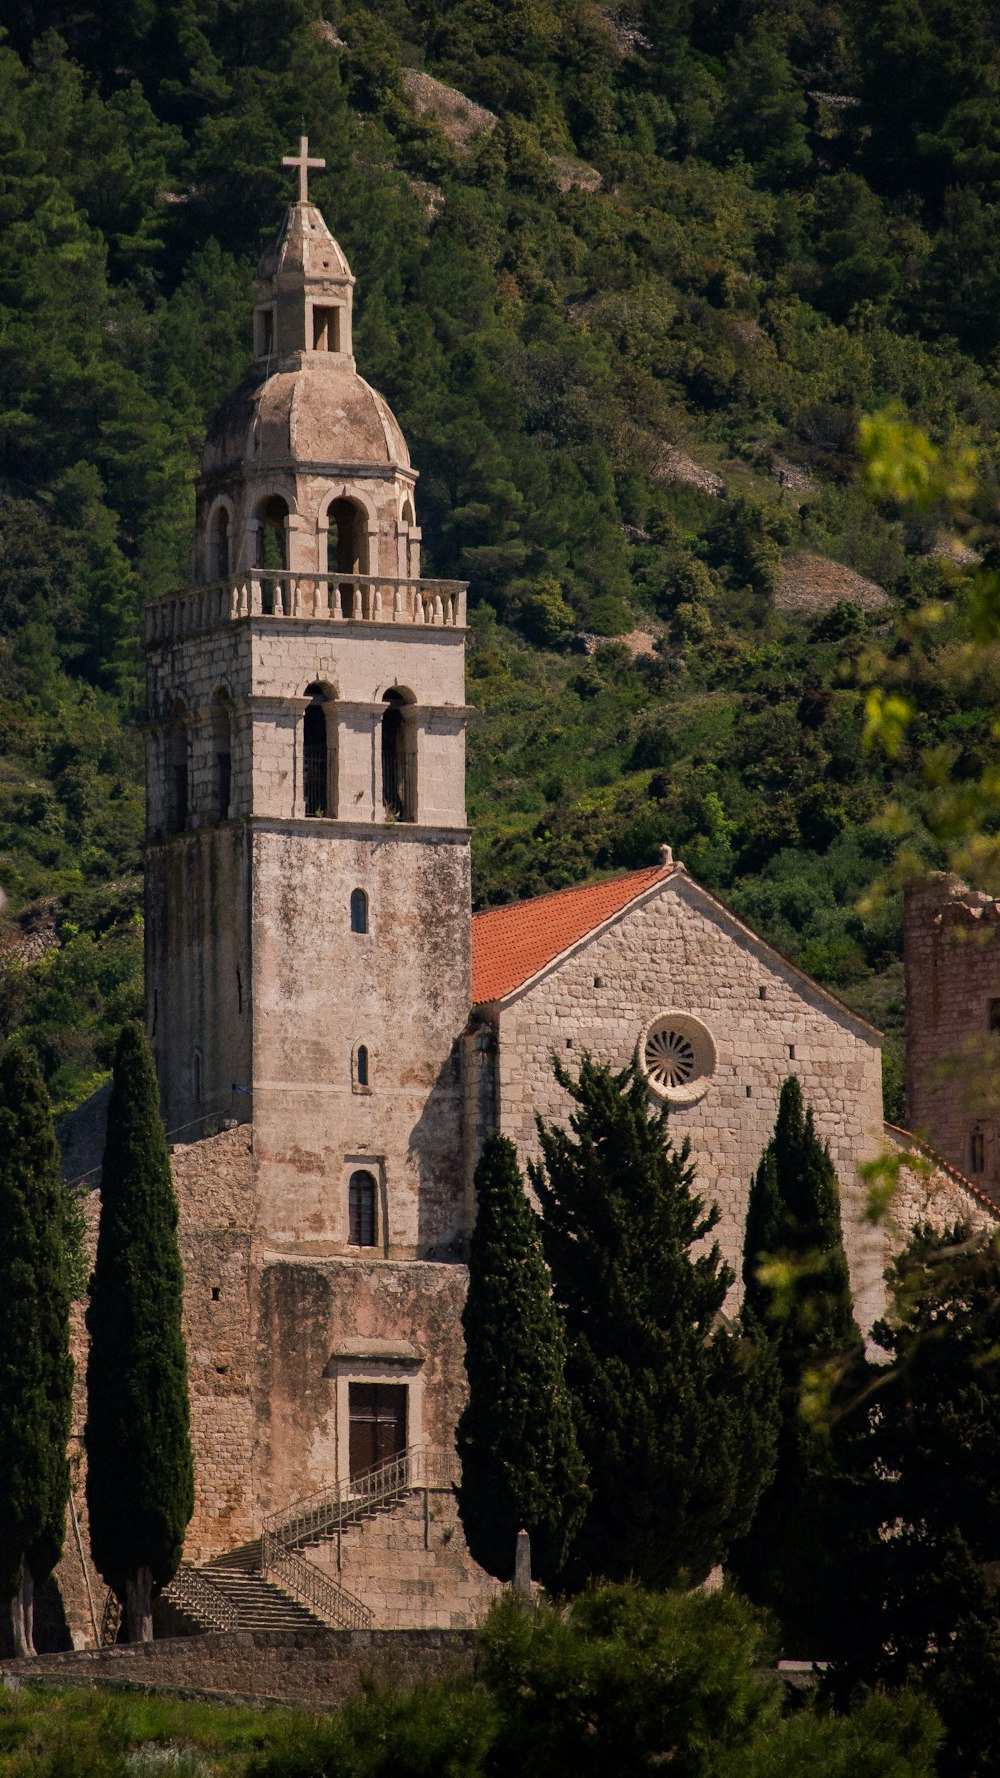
[308, 902]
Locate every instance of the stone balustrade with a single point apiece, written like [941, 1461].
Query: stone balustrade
[344, 598]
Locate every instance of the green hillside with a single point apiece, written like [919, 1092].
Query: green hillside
[629, 313]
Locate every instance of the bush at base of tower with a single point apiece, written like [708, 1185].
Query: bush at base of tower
[521, 1465]
[140, 1484]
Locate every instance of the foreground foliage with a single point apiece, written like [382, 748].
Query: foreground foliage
[920, 1554]
[620, 1683]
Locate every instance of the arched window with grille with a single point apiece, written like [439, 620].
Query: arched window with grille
[398, 798]
[362, 1208]
[314, 759]
[359, 911]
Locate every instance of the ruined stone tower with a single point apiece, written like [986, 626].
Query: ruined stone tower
[307, 889]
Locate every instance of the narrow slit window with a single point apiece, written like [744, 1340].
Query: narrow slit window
[361, 1202]
[993, 1015]
[266, 332]
[361, 1065]
[977, 1153]
[359, 911]
[224, 776]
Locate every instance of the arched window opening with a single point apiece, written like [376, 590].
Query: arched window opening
[326, 329]
[314, 755]
[359, 911]
[361, 1210]
[397, 773]
[407, 513]
[348, 550]
[272, 545]
[977, 1152]
[264, 329]
[361, 1066]
[177, 776]
[219, 558]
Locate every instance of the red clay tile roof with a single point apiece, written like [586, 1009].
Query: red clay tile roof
[511, 944]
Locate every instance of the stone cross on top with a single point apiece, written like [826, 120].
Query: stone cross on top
[302, 161]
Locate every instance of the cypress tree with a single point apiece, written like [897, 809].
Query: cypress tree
[798, 1294]
[675, 1415]
[521, 1466]
[36, 1370]
[140, 1483]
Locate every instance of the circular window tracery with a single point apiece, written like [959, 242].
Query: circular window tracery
[677, 1057]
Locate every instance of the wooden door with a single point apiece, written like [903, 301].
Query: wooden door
[378, 1425]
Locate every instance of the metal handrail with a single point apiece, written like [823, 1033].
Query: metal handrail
[315, 1589]
[328, 1510]
[191, 1588]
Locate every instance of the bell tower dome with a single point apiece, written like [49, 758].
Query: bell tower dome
[308, 903]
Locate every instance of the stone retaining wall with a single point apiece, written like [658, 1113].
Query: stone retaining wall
[317, 1668]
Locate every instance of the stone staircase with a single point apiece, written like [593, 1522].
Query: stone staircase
[270, 1583]
[218, 1598]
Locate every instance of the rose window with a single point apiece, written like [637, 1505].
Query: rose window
[677, 1057]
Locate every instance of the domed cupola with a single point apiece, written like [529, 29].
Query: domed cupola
[305, 467]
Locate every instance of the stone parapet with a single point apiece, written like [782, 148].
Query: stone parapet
[316, 1668]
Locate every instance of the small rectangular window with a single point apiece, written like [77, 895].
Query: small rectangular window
[326, 330]
[993, 1015]
[791, 1052]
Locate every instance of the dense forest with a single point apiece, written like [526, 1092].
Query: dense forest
[630, 313]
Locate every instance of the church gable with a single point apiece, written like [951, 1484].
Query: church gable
[716, 1017]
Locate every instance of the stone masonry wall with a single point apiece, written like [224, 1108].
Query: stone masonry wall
[680, 951]
[411, 1566]
[952, 959]
[327, 1323]
[313, 1668]
[933, 1192]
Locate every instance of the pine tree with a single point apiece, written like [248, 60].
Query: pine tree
[140, 1485]
[521, 1465]
[675, 1415]
[36, 1373]
[798, 1294]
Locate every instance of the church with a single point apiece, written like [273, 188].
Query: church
[335, 1032]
